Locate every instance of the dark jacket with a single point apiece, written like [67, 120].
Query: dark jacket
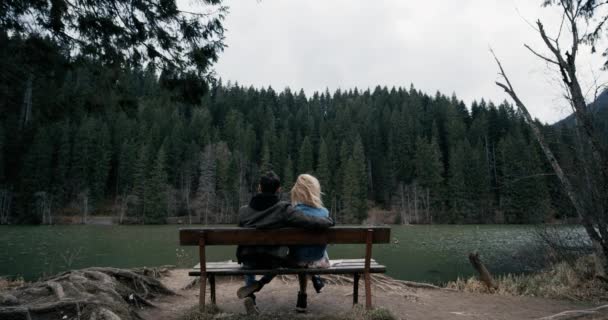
[265, 211]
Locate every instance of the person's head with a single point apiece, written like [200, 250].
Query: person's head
[307, 190]
[270, 183]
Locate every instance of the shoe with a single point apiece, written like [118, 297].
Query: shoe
[249, 289]
[301, 304]
[250, 306]
[280, 252]
[317, 283]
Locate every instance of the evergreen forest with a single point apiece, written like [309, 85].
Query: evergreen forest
[80, 139]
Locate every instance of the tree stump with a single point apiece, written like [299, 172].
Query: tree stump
[484, 274]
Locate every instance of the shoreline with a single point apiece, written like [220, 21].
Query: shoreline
[399, 299]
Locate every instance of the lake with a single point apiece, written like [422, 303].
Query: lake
[430, 253]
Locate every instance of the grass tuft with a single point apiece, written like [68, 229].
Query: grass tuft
[6, 284]
[561, 281]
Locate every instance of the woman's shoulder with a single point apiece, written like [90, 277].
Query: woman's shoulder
[308, 208]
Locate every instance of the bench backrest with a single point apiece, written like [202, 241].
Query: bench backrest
[287, 236]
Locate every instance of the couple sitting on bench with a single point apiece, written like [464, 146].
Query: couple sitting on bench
[265, 211]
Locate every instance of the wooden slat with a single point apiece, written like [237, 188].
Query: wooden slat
[333, 263]
[287, 236]
[345, 266]
[337, 270]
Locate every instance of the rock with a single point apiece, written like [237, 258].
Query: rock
[104, 314]
[8, 300]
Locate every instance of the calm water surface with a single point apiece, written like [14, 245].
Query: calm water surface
[418, 253]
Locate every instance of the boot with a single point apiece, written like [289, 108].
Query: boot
[317, 283]
[301, 304]
[246, 291]
[250, 306]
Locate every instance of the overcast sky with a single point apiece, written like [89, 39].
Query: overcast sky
[436, 45]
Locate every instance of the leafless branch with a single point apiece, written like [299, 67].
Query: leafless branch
[548, 60]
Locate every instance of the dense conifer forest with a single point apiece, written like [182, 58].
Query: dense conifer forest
[81, 139]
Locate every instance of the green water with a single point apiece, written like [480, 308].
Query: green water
[417, 253]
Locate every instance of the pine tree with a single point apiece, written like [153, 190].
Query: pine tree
[1, 155]
[126, 167]
[350, 190]
[305, 157]
[140, 179]
[224, 180]
[428, 164]
[265, 164]
[205, 196]
[288, 178]
[234, 176]
[360, 195]
[37, 173]
[38, 162]
[322, 172]
[82, 156]
[64, 156]
[176, 145]
[428, 169]
[477, 180]
[456, 184]
[524, 196]
[157, 190]
[100, 167]
[345, 155]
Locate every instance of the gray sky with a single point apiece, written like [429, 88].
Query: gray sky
[433, 44]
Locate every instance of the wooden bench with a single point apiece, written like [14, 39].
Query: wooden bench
[203, 237]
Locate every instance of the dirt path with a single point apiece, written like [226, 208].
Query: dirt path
[405, 303]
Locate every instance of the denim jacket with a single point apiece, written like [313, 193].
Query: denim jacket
[309, 253]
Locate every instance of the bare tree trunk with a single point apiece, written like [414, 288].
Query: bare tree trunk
[122, 208]
[84, 198]
[370, 179]
[416, 203]
[5, 206]
[86, 209]
[206, 210]
[26, 110]
[594, 222]
[428, 206]
[409, 204]
[334, 208]
[402, 207]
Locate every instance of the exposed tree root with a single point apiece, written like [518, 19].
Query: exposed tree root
[577, 314]
[87, 294]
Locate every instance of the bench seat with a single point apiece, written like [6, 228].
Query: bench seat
[342, 266]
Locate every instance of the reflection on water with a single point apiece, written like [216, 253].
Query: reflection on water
[417, 253]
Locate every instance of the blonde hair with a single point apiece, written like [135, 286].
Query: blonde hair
[307, 190]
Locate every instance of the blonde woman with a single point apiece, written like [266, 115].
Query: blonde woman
[306, 198]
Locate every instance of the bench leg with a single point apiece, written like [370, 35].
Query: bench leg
[368, 258]
[203, 268]
[202, 291]
[356, 289]
[368, 291]
[302, 280]
[212, 288]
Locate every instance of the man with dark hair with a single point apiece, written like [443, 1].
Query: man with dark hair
[266, 211]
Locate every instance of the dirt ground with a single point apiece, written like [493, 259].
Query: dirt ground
[403, 302]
